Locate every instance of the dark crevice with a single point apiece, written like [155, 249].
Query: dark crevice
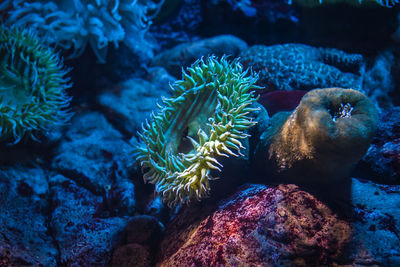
[48, 214]
[80, 179]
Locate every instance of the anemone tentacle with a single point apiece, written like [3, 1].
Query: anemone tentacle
[32, 86]
[206, 118]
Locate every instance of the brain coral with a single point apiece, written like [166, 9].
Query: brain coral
[206, 117]
[303, 67]
[32, 86]
[73, 24]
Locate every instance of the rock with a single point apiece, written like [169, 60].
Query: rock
[131, 102]
[376, 223]
[183, 55]
[382, 161]
[83, 238]
[131, 255]
[144, 229]
[378, 82]
[258, 226]
[24, 236]
[93, 153]
[177, 22]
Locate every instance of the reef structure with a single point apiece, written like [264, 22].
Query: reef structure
[32, 86]
[303, 67]
[206, 118]
[323, 138]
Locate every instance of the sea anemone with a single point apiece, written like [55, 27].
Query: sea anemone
[206, 117]
[74, 24]
[32, 86]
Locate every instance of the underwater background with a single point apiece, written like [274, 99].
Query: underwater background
[200, 133]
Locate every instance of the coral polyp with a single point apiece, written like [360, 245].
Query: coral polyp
[206, 118]
[32, 86]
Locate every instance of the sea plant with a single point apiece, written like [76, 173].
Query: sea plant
[32, 86]
[205, 118]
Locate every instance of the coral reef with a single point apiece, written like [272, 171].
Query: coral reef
[73, 24]
[325, 136]
[206, 117]
[303, 67]
[32, 86]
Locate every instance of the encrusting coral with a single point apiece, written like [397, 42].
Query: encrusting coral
[73, 24]
[32, 86]
[303, 67]
[325, 136]
[206, 117]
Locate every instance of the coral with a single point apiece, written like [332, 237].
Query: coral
[33, 84]
[73, 24]
[326, 135]
[206, 117]
[303, 67]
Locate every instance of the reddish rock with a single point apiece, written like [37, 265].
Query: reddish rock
[131, 255]
[276, 101]
[144, 229]
[258, 226]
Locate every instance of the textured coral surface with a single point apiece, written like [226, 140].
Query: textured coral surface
[303, 67]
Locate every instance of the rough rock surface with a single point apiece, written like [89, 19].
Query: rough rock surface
[131, 255]
[382, 161]
[376, 223]
[144, 229]
[378, 82]
[258, 226]
[83, 238]
[185, 54]
[24, 235]
[94, 154]
[131, 102]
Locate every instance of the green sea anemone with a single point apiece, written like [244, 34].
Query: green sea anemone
[206, 117]
[32, 86]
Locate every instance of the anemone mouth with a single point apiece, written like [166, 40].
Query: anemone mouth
[344, 110]
[32, 86]
[206, 117]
